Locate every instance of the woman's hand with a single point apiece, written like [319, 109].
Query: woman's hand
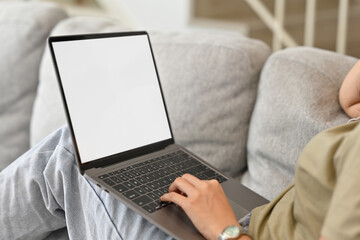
[349, 95]
[204, 202]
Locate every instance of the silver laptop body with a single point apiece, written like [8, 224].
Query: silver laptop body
[121, 130]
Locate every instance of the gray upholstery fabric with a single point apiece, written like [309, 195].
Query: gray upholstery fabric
[297, 98]
[209, 81]
[24, 28]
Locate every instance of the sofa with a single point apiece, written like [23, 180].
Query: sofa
[233, 102]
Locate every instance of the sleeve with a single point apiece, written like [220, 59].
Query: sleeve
[342, 220]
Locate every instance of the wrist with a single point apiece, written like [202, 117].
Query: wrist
[233, 232]
[244, 237]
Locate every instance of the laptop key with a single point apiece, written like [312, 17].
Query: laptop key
[153, 176]
[176, 168]
[134, 182]
[158, 206]
[120, 188]
[136, 173]
[128, 168]
[142, 180]
[220, 178]
[192, 171]
[154, 166]
[165, 181]
[115, 179]
[158, 184]
[129, 175]
[141, 201]
[171, 170]
[164, 190]
[150, 187]
[109, 182]
[153, 185]
[151, 207]
[209, 173]
[171, 178]
[160, 164]
[182, 172]
[137, 165]
[146, 188]
[201, 176]
[162, 172]
[140, 191]
[142, 170]
[193, 162]
[128, 185]
[161, 203]
[147, 178]
[122, 177]
[131, 194]
[158, 193]
[187, 164]
[149, 169]
[103, 176]
[153, 196]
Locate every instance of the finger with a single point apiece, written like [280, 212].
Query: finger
[174, 197]
[192, 179]
[182, 185]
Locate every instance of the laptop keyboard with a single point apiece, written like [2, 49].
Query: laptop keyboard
[144, 183]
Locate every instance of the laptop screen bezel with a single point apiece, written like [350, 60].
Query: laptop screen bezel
[118, 157]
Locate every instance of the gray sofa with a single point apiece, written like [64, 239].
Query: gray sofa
[232, 102]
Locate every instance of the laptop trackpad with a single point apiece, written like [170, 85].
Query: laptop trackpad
[181, 226]
[172, 219]
[240, 212]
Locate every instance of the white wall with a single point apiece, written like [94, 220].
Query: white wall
[152, 14]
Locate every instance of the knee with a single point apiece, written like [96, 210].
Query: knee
[60, 137]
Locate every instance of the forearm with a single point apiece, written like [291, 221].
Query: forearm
[349, 95]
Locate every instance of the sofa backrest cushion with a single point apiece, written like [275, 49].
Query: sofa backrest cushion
[209, 82]
[24, 27]
[297, 98]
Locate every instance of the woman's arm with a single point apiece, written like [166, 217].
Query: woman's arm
[349, 95]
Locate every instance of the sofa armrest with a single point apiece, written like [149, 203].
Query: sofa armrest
[297, 98]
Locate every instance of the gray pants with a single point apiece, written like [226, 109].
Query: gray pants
[43, 195]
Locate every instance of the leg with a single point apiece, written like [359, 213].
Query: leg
[42, 192]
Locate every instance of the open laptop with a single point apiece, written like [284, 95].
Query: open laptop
[121, 131]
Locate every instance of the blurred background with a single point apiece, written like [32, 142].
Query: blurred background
[327, 24]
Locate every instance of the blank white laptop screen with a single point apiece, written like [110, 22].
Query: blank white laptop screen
[112, 93]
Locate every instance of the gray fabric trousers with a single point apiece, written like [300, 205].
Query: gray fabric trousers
[43, 195]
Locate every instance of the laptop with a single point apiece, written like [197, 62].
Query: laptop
[121, 131]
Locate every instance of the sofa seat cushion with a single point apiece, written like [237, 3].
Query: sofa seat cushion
[24, 27]
[209, 82]
[297, 98]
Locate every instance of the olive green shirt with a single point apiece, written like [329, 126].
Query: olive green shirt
[325, 198]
